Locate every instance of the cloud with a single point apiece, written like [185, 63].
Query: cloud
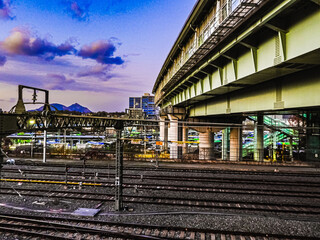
[58, 82]
[102, 51]
[78, 9]
[88, 69]
[132, 54]
[3, 60]
[61, 82]
[8, 100]
[49, 81]
[98, 71]
[5, 10]
[102, 72]
[21, 42]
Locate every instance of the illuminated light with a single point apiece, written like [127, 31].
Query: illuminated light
[48, 181]
[32, 121]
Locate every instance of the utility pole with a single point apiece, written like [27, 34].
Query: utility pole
[44, 143]
[1, 157]
[119, 167]
[31, 146]
[145, 141]
[65, 141]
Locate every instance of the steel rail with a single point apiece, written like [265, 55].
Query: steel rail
[183, 170]
[45, 225]
[176, 201]
[173, 178]
[164, 229]
[11, 228]
[182, 188]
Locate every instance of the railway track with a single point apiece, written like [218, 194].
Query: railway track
[179, 170]
[71, 228]
[239, 205]
[192, 190]
[217, 179]
[63, 229]
[182, 188]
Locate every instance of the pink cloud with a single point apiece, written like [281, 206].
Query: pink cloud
[58, 82]
[102, 72]
[5, 10]
[102, 51]
[21, 42]
[78, 9]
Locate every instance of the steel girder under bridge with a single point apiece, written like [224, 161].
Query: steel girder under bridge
[11, 123]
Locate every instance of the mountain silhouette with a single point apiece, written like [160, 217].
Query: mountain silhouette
[76, 107]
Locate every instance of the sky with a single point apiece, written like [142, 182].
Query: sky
[97, 53]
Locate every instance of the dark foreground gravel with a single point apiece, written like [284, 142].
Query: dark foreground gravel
[188, 217]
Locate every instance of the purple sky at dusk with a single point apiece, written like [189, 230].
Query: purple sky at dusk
[95, 53]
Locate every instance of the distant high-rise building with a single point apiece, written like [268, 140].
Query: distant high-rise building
[134, 102]
[144, 103]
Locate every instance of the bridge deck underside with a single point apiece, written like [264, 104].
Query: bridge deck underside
[271, 66]
[291, 92]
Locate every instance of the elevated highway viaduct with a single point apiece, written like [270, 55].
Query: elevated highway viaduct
[239, 58]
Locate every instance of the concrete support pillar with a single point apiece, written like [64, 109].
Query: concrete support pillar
[236, 144]
[258, 138]
[173, 136]
[185, 135]
[162, 128]
[164, 133]
[274, 145]
[206, 145]
[225, 148]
